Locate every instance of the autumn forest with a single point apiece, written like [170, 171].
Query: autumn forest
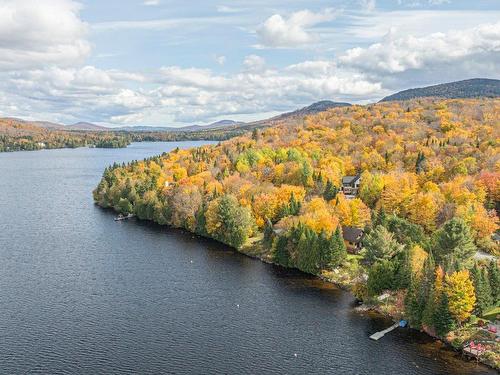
[427, 204]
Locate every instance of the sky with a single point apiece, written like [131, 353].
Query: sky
[178, 62]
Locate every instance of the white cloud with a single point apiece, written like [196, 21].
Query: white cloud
[198, 94]
[399, 53]
[151, 2]
[292, 32]
[37, 33]
[368, 5]
[228, 9]
[220, 59]
[254, 63]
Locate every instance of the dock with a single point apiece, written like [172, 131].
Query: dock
[121, 217]
[379, 335]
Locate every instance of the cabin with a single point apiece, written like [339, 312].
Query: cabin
[353, 239]
[350, 185]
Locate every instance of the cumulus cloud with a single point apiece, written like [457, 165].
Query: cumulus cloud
[44, 72]
[254, 63]
[281, 32]
[397, 54]
[368, 5]
[34, 34]
[199, 94]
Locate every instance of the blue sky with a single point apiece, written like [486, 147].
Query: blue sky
[175, 63]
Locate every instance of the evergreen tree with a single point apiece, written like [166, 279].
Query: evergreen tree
[293, 205]
[443, 320]
[281, 253]
[330, 191]
[404, 231]
[268, 232]
[124, 206]
[381, 218]
[339, 249]
[482, 289]
[324, 250]
[414, 303]
[308, 252]
[454, 243]
[380, 244]
[494, 279]
[403, 270]
[419, 165]
[380, 277]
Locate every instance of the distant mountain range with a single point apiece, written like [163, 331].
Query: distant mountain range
[470, 88]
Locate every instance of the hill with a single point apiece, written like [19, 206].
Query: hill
[312, 109]
[470, 88]
[86, 126]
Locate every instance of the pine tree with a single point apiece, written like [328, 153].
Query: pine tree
[201, 221]
[268, 232]
[494, 279]
[414, 303]
[330, 191]
[443, 320]
[420, 162]
[483, 297]
[337, 248]
[325, 250]
[281, 254]
[454, 243]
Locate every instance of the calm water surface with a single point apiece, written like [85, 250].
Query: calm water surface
[80, 293]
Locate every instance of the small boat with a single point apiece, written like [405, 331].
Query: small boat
[123, 217]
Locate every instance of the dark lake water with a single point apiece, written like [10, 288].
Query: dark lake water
[80, 293]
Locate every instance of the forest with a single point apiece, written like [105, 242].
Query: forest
[427, 204]
[22, 136]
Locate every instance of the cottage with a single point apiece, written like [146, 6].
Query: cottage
[350, 185]
[352, 238]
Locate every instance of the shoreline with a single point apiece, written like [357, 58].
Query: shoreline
[246, 250]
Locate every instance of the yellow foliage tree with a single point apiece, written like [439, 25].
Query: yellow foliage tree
[461, 296]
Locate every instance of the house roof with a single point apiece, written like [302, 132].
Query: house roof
[349, 180]
[352, 234]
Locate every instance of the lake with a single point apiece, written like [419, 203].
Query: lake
[81, 293]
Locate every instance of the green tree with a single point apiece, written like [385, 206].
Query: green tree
[229, 222]
[380, 277]
[337, 248]
[281, 254]
[454, 243]
[443, 320]
[124, 206]
[482, 289]
[380, 244]
[404, 231]
[330, 191]
[494, 279]
[308, 252]
[415, 303]
[268, 232]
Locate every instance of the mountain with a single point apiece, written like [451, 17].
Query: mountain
[222, 124]
[215, 125]
[470, 88]
[312, 109]
[86, 126]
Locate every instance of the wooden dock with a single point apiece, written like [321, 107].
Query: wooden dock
[379, 335]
